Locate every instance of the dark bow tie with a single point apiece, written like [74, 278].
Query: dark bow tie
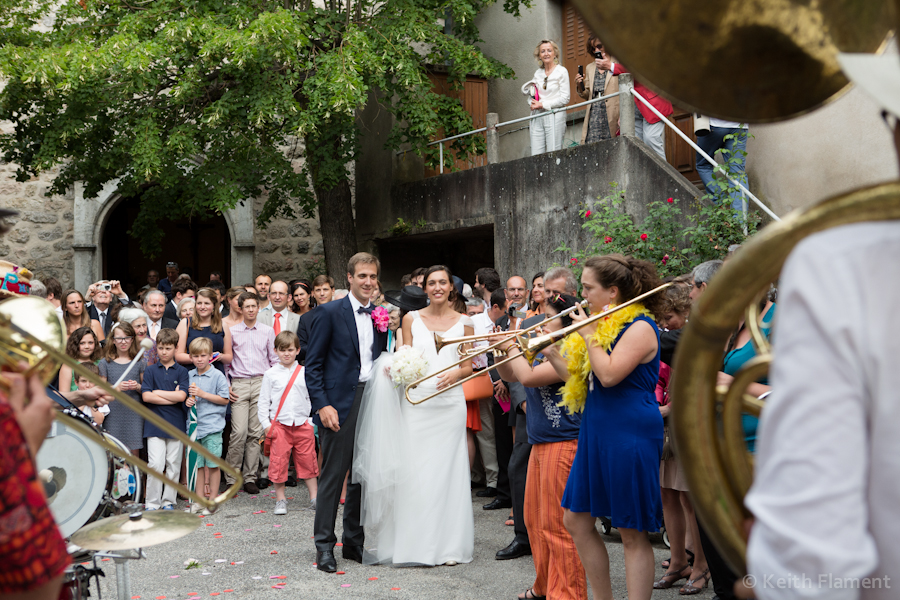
[365, 309]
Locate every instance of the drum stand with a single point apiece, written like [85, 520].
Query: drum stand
[123, 569]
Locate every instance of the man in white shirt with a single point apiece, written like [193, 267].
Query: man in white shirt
[825, 495]
[279, 317]
[262, 284]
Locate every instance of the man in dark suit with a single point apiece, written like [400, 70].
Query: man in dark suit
[343, 346]
[101, 300]
[155, 307]
[181, 289]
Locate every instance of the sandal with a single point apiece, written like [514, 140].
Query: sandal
[671, 578]
[690, 589]
[510, 522]
[665, 564]
[532, 596]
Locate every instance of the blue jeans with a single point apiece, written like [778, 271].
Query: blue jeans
[711, 143]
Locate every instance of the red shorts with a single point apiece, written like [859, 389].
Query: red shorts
[299, 440]
[32, 551]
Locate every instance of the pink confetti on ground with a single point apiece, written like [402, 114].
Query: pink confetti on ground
[276, 525]
[248, 530]
[174, 576]
[345, 585]
[372, 578]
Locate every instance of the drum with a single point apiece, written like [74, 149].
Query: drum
[83, 481]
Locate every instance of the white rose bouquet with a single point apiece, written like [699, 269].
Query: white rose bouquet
[408, 366]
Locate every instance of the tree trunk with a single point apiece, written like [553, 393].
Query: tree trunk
[338, 229]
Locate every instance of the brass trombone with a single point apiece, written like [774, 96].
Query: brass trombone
[531, 347]
[44, 358]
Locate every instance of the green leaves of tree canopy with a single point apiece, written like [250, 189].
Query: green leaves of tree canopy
[194, 106]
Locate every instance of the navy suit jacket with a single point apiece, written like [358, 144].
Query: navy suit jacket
[332, 356]
[303, 335]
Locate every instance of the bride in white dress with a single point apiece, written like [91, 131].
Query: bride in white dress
[412, 460]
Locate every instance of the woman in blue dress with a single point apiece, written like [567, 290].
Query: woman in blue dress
[616, 468]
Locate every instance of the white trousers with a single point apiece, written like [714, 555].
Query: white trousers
[654, 135]
[547, 132]
[162, 453]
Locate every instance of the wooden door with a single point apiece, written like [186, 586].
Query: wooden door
[679, 154]
[575, 34]
[475, 101]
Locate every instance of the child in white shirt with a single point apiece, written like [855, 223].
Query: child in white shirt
[291, 432]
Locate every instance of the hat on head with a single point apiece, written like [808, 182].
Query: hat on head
[876, 74]
[16, 280]
[412, 297]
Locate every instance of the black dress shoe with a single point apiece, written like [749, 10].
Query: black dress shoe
[354, 553]
[291, 481]
[514, 550]
[325, 561]
[488, 492]
[497, 504]
[262, 483]
[250, 488]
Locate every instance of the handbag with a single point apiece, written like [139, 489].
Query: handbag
[267, 442]
[479, 388]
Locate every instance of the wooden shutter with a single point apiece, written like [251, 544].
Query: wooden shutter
[572, 48]
[475, 101]
[679, 154]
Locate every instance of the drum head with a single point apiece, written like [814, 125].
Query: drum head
[74, 470]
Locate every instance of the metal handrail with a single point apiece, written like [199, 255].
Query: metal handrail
[545, 113]
[708, 158]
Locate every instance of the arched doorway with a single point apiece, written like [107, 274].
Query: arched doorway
[92, 247]
[198, 246]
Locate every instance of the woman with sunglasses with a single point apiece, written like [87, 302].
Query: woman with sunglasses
[548, 90]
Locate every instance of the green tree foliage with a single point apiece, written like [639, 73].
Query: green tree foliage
[196, 105]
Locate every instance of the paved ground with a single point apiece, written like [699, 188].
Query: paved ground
[244, 560]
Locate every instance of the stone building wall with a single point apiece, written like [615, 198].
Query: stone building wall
[42, 234]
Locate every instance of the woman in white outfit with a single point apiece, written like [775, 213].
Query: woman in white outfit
[548, 90]
[412, 460]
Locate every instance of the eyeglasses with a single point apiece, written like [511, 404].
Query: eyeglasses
[119, 340]
[890, 120]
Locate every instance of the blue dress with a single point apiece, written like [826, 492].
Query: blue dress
[615, 473]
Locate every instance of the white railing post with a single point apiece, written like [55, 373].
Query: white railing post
[441, 152]
[626, 104]
[492, 139]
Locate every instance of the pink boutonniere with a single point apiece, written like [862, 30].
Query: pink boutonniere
[382, 318]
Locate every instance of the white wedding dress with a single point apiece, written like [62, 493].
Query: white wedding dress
[413, 464]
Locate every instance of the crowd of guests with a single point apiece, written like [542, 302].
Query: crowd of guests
[234, 358]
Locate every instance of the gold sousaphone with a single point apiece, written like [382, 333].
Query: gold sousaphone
[32, 334]
[749, 61]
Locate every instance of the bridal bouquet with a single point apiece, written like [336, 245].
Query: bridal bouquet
[408, 366]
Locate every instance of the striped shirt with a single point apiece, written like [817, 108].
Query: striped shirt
[254, 350]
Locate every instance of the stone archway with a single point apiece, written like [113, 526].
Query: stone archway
[92, 214]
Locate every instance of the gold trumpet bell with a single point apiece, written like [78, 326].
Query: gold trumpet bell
[38, 317]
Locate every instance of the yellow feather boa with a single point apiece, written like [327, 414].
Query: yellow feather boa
[575, 352]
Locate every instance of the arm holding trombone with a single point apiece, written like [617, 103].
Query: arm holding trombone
[447, 377]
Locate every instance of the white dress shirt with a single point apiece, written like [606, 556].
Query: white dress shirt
[825, 497]
[102, 315]
[153, 328]
[556, 93]
[365, 330]
[296, 407]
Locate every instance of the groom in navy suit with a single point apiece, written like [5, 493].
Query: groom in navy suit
[343, 345]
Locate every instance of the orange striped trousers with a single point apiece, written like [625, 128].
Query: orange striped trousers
[560, 575]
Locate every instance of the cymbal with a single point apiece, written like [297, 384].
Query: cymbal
[743, 60]
[137, 530]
